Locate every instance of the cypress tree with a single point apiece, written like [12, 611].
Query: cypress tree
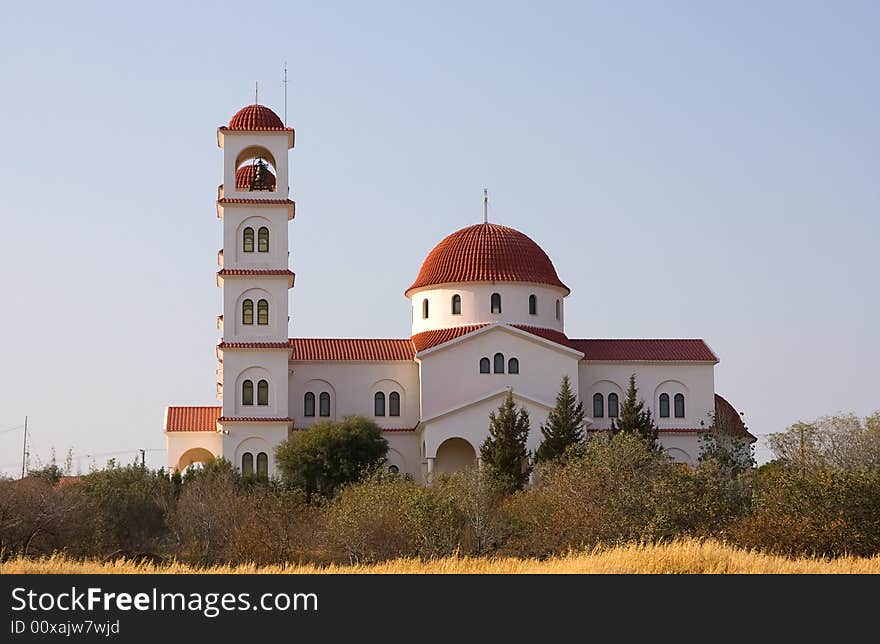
[564, 426]
[504, 452]
[634, 418]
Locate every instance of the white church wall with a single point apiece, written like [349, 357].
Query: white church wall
[275, 143]
[476, 305]
[236, 290]
[236, 218]
[683, 448]
[254, 438]
[242, 364]
[403, 452]
[179, 443]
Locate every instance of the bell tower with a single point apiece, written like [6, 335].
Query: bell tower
[254, 205]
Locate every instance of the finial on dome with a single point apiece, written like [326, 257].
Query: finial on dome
[485, 205]
[256, 92]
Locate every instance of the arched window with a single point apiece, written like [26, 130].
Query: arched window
[263, 392]
[262, 464]
[533, 304]
[425, 308]
[247, 392]
[557, 309]
[248, 240]
[499, 363]
[263, 240]
[678, 401]
[485, 366]
[513, 365]
[379, 404]
[262, 312]
[393, 469]
[309, 404]
[324, 400]
[598, 406]
[456, 304]
[247, 312]
[394, 404]
[247, 463]
[613, 406]
[496, 303]
[664, 405]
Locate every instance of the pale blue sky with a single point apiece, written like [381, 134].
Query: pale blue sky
[694, 169]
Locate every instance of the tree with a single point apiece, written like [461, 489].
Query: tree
[564, 426]
[504, 451]
[330, 454]
[727, 448]
[845, 442]
[634, 418]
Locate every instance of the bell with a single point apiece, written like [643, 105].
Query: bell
[259, 180]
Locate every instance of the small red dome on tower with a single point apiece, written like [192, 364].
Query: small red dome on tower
[487, 253]
[254, 118]
[244, 177]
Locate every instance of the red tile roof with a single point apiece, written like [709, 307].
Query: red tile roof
[228, 272]
[253, 419]
[644, 350]
[428, 339]
[256, 118]
[192, 419]
[667, 430]
[244, 176]
[356, 349]
[253, 345]
[255, 202]
[729, 419]
[487, 253]
[399, 429]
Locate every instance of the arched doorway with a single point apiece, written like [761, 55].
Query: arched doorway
[194, 455]
[454, 455]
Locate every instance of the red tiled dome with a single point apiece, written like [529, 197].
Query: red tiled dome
[245, 175]
[487, 253]
[255, 117]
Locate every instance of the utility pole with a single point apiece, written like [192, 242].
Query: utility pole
[24, 448]
[143, 456]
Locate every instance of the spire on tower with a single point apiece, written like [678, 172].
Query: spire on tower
[256, 92]
[485, 205]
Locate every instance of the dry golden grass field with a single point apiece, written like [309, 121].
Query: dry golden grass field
[686, 556]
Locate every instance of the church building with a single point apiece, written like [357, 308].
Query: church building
[488, 317]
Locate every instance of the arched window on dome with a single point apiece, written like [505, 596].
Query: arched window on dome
[247, 312]
[247, 392]
[263, 392]
[379, 404]
[394, 404]
[485, 365]
[533, 304]
[309, 404]
[499, 363]
[613, 406]
[678, 403]
[664, 405]
[558, 305]
[247, 463]
[248, 241]
[513, 366]
[324, 400]
[456, 304]
[425, 309]
[598, 406]
[262, 312]
[263, 240]
[262, 464]
[495, 304]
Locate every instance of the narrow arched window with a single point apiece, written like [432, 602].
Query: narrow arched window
[456, 304]
[513, 365]
[679, 405]
[598, 406]
[324, 400]
[496, 303]
[247, 392]
[247, 312]
[425, 308]
[263, 392]
[262, 312]
[485, 365]
[613, 406]
[533, 305]
[394, 404]
[557, 309]
[263, 240]
[247, 463]
[379, 404]
[262, 464]
[309, 404]
[248, 240]
[499, 363]
[664, 405]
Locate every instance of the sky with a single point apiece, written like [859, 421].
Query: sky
[694, 169]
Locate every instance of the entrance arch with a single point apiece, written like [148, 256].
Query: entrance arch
[194, 455]
[454, 455]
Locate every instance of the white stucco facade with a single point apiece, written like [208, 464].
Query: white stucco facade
[488, 317]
